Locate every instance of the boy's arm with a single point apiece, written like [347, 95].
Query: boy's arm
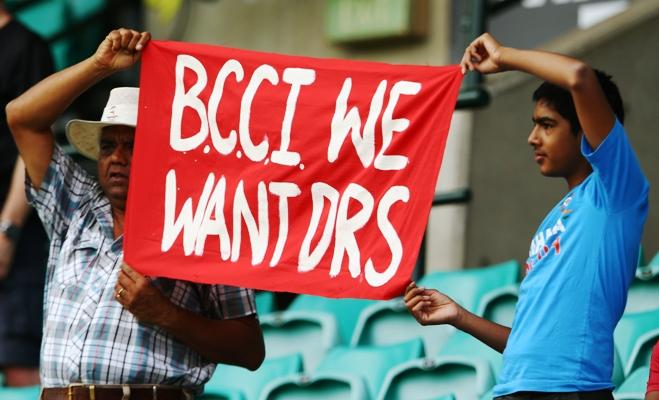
[487, 56]
[430, 307]
[31, 115]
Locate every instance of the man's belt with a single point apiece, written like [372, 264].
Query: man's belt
[115, 392]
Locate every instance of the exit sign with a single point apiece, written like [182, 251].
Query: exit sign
[354, 21]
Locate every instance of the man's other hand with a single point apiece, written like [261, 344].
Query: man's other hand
[135, 292]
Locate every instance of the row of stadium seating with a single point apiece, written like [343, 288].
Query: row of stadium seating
[346, 348]
[53, 19]
[321, 348]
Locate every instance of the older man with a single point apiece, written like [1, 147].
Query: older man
[109, 331]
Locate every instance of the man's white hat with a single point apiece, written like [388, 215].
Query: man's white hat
[121, 109]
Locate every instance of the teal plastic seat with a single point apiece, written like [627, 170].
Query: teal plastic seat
[80, 10]
[469, 287]
[634, 338]
[389, 322]
[20, 393]
[643, 295]
[265, 302]
[466, 378]
[650, 270]
[235, 383]
[461, 344]
[633, 388]
[345, 311]
[46, 18]
[311, 334]
[499, 305]
[322, 386]
[488, 395]
[371, 363]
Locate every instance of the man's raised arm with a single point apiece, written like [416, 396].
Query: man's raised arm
[487, 56]
[31, 115]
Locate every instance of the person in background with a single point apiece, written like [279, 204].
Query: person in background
[24, 60]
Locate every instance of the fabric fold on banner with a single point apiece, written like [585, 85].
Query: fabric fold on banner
[284, 173]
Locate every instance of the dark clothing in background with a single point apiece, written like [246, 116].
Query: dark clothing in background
[25, 59]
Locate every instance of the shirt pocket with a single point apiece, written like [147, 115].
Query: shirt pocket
[76, 259]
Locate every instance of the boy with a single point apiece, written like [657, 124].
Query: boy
[583, 256]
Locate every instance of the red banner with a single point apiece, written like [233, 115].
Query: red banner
[284, 173]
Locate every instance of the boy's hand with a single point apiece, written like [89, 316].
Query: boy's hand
[121, 49]
[430, 307]
[482, 55]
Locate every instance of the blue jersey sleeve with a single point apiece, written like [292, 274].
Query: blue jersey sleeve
[622, 181]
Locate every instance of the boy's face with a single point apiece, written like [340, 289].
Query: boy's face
[556, 149]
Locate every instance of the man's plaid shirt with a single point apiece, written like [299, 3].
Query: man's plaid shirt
[88, 336]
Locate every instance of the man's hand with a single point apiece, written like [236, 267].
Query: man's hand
[7, 247]
[430, 307]
[121, 49]
[135, 292]
[482, 55]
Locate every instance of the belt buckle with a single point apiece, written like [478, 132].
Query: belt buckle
[69, 391]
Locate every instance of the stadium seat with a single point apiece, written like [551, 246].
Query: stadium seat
[311, 334]
[488, 395]
[61, 51]
[643, 295]
[469, 286]
[323, 386]
[47, 18]
[345, 311]
[649, 270]
[499, 305]
[461, 344]
[389, 322]
[80, 10]
[20, 393]
[371, 363]
[235, 383]
[466, 378]
[633, 388]
[265, 302]
[634, 337]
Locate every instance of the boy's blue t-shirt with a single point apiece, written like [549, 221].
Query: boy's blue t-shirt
[581, 262]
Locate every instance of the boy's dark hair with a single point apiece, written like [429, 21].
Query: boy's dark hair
[561, 100]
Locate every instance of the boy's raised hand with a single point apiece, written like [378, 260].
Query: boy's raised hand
[482, 55]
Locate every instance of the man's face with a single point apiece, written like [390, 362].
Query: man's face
[114, 159]
[556, 149]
